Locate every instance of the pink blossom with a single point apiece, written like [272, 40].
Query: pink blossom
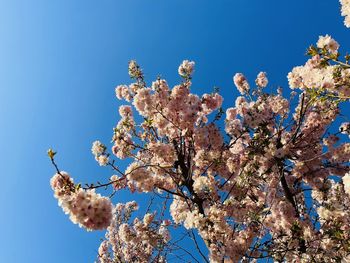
[241, 83]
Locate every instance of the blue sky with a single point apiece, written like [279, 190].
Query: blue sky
[59, 64]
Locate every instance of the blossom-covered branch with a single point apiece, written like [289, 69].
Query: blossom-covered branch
[274, 183]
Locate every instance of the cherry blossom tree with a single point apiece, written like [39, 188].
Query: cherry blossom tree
[274, 184]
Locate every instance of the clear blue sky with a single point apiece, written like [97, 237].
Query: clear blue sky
[61, 59]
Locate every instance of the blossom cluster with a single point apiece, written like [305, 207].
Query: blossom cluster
[98, 150]
[85, 207]
[139, 241]
[345, 128]
[319, 74]
[345, 11]
[186, 69]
